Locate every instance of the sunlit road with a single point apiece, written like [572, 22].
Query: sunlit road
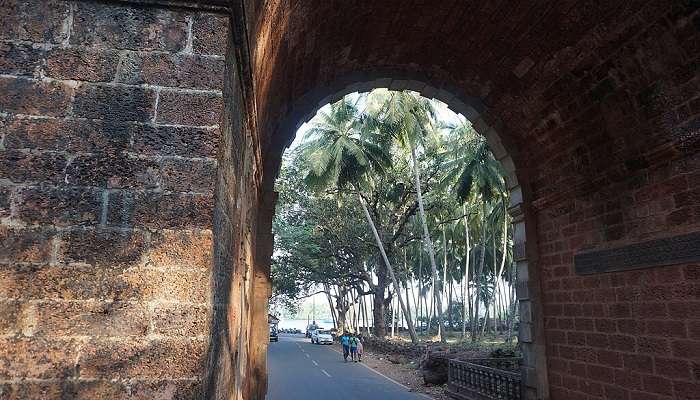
[299, 370]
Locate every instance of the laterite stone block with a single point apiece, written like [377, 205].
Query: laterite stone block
[209, 34]
[82, 64]
[113, 171]
[25, 244]
[118, 27]
[114, 103]
[27, 96]
[147, 359]
[71, 135]
[191, 249]
[92, 318]
[59, 206]
[102, 247]
[176, 141]
[182, 108]
[38, 358]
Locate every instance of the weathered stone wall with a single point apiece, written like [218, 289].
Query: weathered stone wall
[109, 127]
[237, 352]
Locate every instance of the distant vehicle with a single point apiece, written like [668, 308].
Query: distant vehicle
[273, 335]
[321, 336]
[310, 329]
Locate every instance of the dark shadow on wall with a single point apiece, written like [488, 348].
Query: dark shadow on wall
[221, 351]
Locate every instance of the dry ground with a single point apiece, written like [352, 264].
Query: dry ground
[406, 374]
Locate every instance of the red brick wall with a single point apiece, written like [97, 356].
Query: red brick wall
[635, 176]
[597, 103]
[109, 127]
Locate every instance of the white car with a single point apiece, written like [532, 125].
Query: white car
[321, 336]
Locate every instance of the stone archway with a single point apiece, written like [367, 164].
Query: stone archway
[531, 334]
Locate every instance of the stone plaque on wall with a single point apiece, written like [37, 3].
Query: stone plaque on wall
[653, 253]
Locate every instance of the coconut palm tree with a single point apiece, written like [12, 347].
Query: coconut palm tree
[472, 170]
[407, 117]
[342, 149]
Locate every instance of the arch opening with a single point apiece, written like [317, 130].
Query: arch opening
[474, 113]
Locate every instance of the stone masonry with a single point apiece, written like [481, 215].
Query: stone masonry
[109, 128]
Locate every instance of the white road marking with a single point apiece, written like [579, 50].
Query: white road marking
[315, 363]
[307, 355]
[324, 371]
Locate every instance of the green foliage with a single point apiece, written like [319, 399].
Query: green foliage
[340, 149]
[362, 146]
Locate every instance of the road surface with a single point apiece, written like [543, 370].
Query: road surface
[299, 370]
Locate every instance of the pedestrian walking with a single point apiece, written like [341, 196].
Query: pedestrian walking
[353, 347]
[360, 348]
[345, 341]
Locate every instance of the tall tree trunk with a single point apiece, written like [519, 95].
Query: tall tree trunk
[371, 312]
[477, 277]
[428, 241]
[449, 305]
[355, 317]
[503, 306]
[366, 316]
[513, 304]
[420, 286]
[408, 315]
[389, 268]
[351, 317]
[497, 309]
[491, 302]
[378, 313]
[445, 285]
[393, 319]
[329, 297]
[416, 304]
[429, 311]
[379, 307]
[486, 319]
[361, 313]
[504, 247]
[490, 299]
[465, 278]
[341, 306]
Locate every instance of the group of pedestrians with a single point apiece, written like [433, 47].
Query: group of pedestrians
[352, 346]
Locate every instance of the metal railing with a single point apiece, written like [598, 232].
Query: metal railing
[485, 379]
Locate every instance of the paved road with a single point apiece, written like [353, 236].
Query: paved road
[299, 370]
